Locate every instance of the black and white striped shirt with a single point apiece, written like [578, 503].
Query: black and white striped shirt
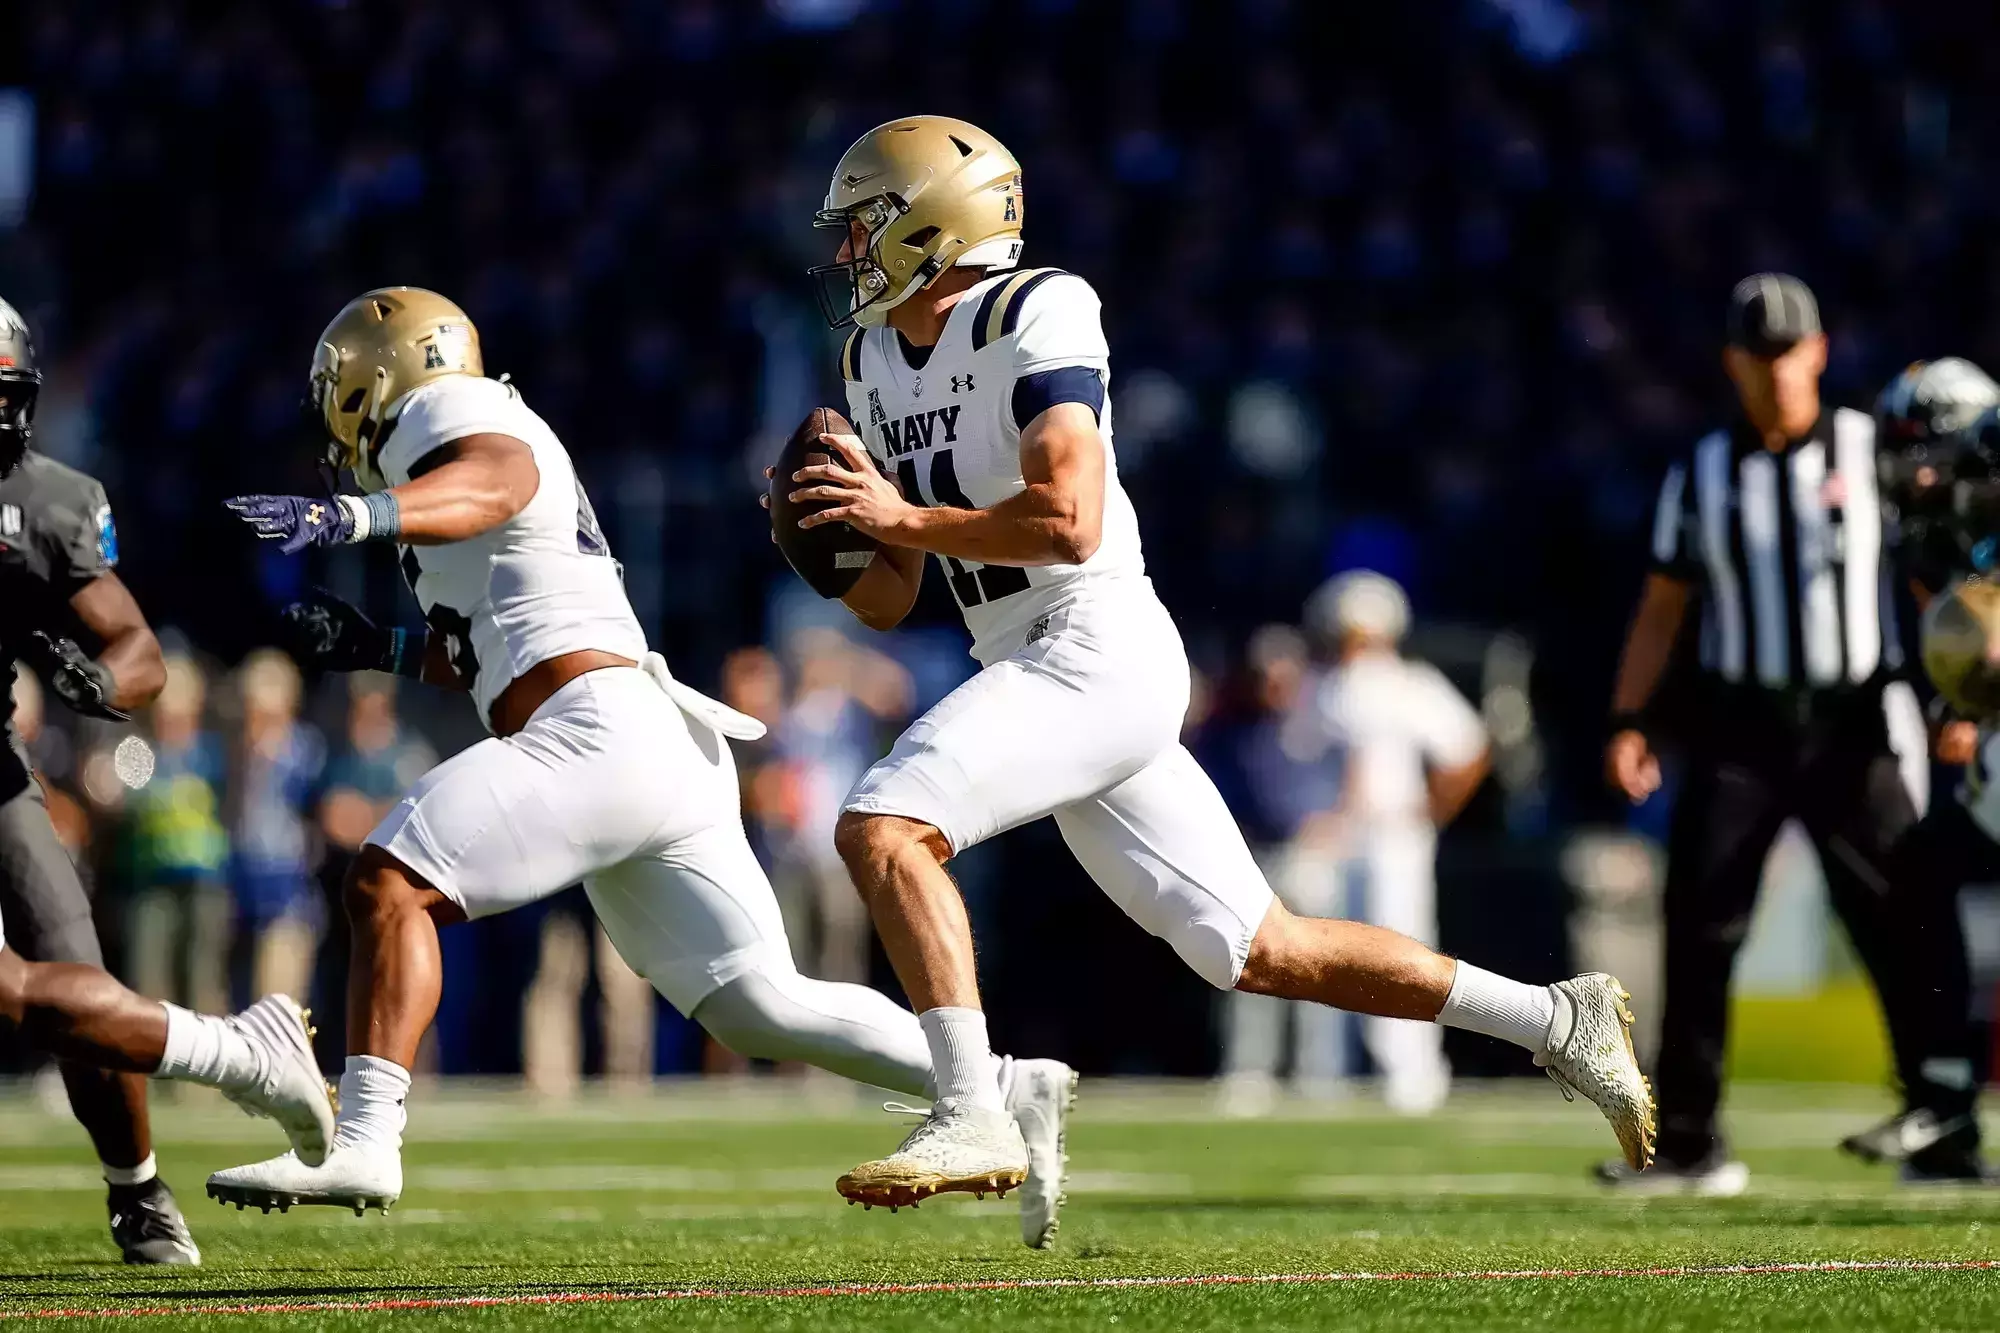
[1787, 549]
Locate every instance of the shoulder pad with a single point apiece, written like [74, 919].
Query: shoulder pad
[1000, 310]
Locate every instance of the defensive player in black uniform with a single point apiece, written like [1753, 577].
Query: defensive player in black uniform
[57, 547]
[1936, 435]
[57, 550]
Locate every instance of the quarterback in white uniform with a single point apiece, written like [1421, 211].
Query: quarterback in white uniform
[981, 395]
[601, 767]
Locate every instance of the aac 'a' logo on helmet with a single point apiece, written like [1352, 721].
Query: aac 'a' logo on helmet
[450, 346]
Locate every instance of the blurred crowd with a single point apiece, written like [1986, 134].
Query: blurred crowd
[1431, 290]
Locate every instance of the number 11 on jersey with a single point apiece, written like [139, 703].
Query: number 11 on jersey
[971, 583]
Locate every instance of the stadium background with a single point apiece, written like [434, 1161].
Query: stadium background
[1429, 288]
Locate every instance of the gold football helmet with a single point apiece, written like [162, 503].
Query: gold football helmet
[1961, 647]
[915, 197]
[380, 346]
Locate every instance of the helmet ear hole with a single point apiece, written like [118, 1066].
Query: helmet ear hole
[353, 403]
[964, 148]
[917, 240]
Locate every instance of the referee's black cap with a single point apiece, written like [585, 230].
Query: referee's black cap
[1770, 312]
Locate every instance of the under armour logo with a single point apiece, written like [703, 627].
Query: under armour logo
[314, 513]
[917, 387]
[961, 383]
[1037, 632]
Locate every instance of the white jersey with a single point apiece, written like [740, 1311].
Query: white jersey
[947, 431]
[1390, 719]
[537, 586]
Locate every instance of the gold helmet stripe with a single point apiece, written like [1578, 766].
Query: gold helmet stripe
[998, 312]
[850, 357]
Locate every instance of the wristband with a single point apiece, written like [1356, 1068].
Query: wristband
[1628, 721]
[404, 654]
[375, 516]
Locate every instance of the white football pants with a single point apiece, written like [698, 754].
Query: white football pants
[612, 784]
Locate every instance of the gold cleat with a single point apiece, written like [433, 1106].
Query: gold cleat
[1594, 1057]
[958, 1149]
[894, 1187]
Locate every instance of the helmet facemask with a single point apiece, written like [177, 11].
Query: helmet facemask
[19, 391]
[351, 427]
[863, 288]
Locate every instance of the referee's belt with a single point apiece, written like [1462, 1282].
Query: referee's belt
[1795, 704]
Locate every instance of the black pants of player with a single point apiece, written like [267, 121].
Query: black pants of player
[46, 918]
[1841, 781]
[1943, 854]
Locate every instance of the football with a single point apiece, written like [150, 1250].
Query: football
[829, 557]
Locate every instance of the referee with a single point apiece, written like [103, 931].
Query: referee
[1769, 535]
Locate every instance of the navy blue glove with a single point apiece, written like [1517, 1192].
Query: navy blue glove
[325, 632]
[296, 520]
[86, 686]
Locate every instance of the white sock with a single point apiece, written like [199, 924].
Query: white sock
[1482, 1001]
[131, 1175]
[961, 1060]
[372, 1092]
[206, 1050]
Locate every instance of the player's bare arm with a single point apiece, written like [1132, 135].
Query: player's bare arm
[131, 655]
[1056, 519]
[465, 488]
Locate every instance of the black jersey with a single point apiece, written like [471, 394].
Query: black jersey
[56, 537]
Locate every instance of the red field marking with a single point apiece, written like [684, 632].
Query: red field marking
[1009, 1284]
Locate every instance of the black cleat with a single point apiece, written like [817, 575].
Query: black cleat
[1954, 1160]
[148, 1226]
[1909, 1134]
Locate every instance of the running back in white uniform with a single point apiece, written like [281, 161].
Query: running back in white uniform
[1078, 711]
[539, 585]
[611, 782]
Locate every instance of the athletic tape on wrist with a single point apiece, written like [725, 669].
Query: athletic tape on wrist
[375, 517]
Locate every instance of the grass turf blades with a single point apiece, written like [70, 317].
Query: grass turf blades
[581, 1208]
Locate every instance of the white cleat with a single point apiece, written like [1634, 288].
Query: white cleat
[1040, 1095]
[1590, 1052]
[289, 1088]
[959, 1148]
[357, 1176]
[1718, 1178]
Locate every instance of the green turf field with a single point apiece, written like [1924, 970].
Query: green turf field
[642, 1211]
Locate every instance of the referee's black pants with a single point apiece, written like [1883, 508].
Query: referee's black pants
[1842, 782]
